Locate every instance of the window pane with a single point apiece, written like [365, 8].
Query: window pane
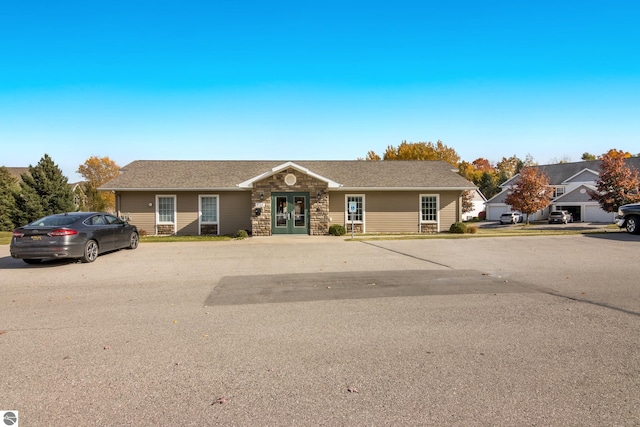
[165, 209]
[429, 208]
[209, 207]
[357, 216]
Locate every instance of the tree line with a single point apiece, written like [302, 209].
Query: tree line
[617, 185]
[44, 190]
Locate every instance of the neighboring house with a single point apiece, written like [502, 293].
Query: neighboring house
[78, 188]
[302, 197]
[478, 201]
[570, 182]
[79, 195]
[17, 172]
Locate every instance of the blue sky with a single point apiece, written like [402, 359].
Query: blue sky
[316, 80]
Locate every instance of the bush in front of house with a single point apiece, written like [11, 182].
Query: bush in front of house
[458, 228]
[472, 229]
[242, 234]
[337, 230]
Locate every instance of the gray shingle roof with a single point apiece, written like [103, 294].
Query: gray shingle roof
[560, 172]
[220, 174]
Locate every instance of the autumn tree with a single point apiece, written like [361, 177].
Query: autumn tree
[371, 155]
[422, 151]
[44, 190]
[8, 186]
[508, 167]
[530, 192]
[97, 171]
[467, 201]
[617, 184]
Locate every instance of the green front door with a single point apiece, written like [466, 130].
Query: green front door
[290, 213]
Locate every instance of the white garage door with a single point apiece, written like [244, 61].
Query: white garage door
[595, 214]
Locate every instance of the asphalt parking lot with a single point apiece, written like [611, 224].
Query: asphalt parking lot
[535, 331]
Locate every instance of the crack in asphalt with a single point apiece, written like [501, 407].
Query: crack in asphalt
[409, 255]
[536, 288]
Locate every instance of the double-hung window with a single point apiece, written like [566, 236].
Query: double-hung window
[208, 209]
[166, 213]
[428, 208]
[558, 191]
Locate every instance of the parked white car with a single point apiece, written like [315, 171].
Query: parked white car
[511, 218]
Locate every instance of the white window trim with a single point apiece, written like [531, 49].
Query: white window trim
[346, 210]
[437, 221]
[555, 191]
[175, 212]
[200, 221]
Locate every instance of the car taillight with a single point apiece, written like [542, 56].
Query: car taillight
[18, 234]
[62, 232]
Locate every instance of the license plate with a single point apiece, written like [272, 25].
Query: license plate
[36, 237]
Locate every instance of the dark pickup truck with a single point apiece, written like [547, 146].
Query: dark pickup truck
[629, 218]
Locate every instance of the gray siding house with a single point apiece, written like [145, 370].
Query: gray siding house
[286, 197]
[571, 183]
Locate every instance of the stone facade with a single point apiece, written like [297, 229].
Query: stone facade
[261, 218]
[429, 228]
[209, 229]
[165, 229]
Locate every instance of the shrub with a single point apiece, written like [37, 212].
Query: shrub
[458, 227]
[337, 230]
[242, 234]
[472, 229]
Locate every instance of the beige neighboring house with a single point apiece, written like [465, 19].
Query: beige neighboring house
[288, 197]
[78, 188]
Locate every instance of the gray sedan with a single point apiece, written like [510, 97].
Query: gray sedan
[81, 235]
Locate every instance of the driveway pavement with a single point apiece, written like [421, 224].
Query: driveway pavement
[321, 331]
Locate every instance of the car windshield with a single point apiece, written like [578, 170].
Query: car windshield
[54, 221]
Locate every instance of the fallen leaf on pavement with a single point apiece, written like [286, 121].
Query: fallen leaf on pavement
[220, 401]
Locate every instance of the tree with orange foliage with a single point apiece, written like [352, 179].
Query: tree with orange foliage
[97, 171]
[422, 151]
[617, 184]
[531, 192]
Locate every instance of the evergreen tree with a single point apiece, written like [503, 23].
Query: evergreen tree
[43, 191]
[8, 186]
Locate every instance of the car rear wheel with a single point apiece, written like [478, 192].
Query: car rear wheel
[90, 251]
[134, 240]
[31, 260]
[632, 224]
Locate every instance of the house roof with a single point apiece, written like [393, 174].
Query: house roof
[231, 174]
[561, 173]
[17, 172]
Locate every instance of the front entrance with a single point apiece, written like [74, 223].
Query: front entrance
[290, 213]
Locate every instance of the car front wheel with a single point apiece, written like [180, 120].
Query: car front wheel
[90, 251]
[632, 224]
[134, 240]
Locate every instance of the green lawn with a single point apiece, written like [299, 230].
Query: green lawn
[517, 230]
[5, 237]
